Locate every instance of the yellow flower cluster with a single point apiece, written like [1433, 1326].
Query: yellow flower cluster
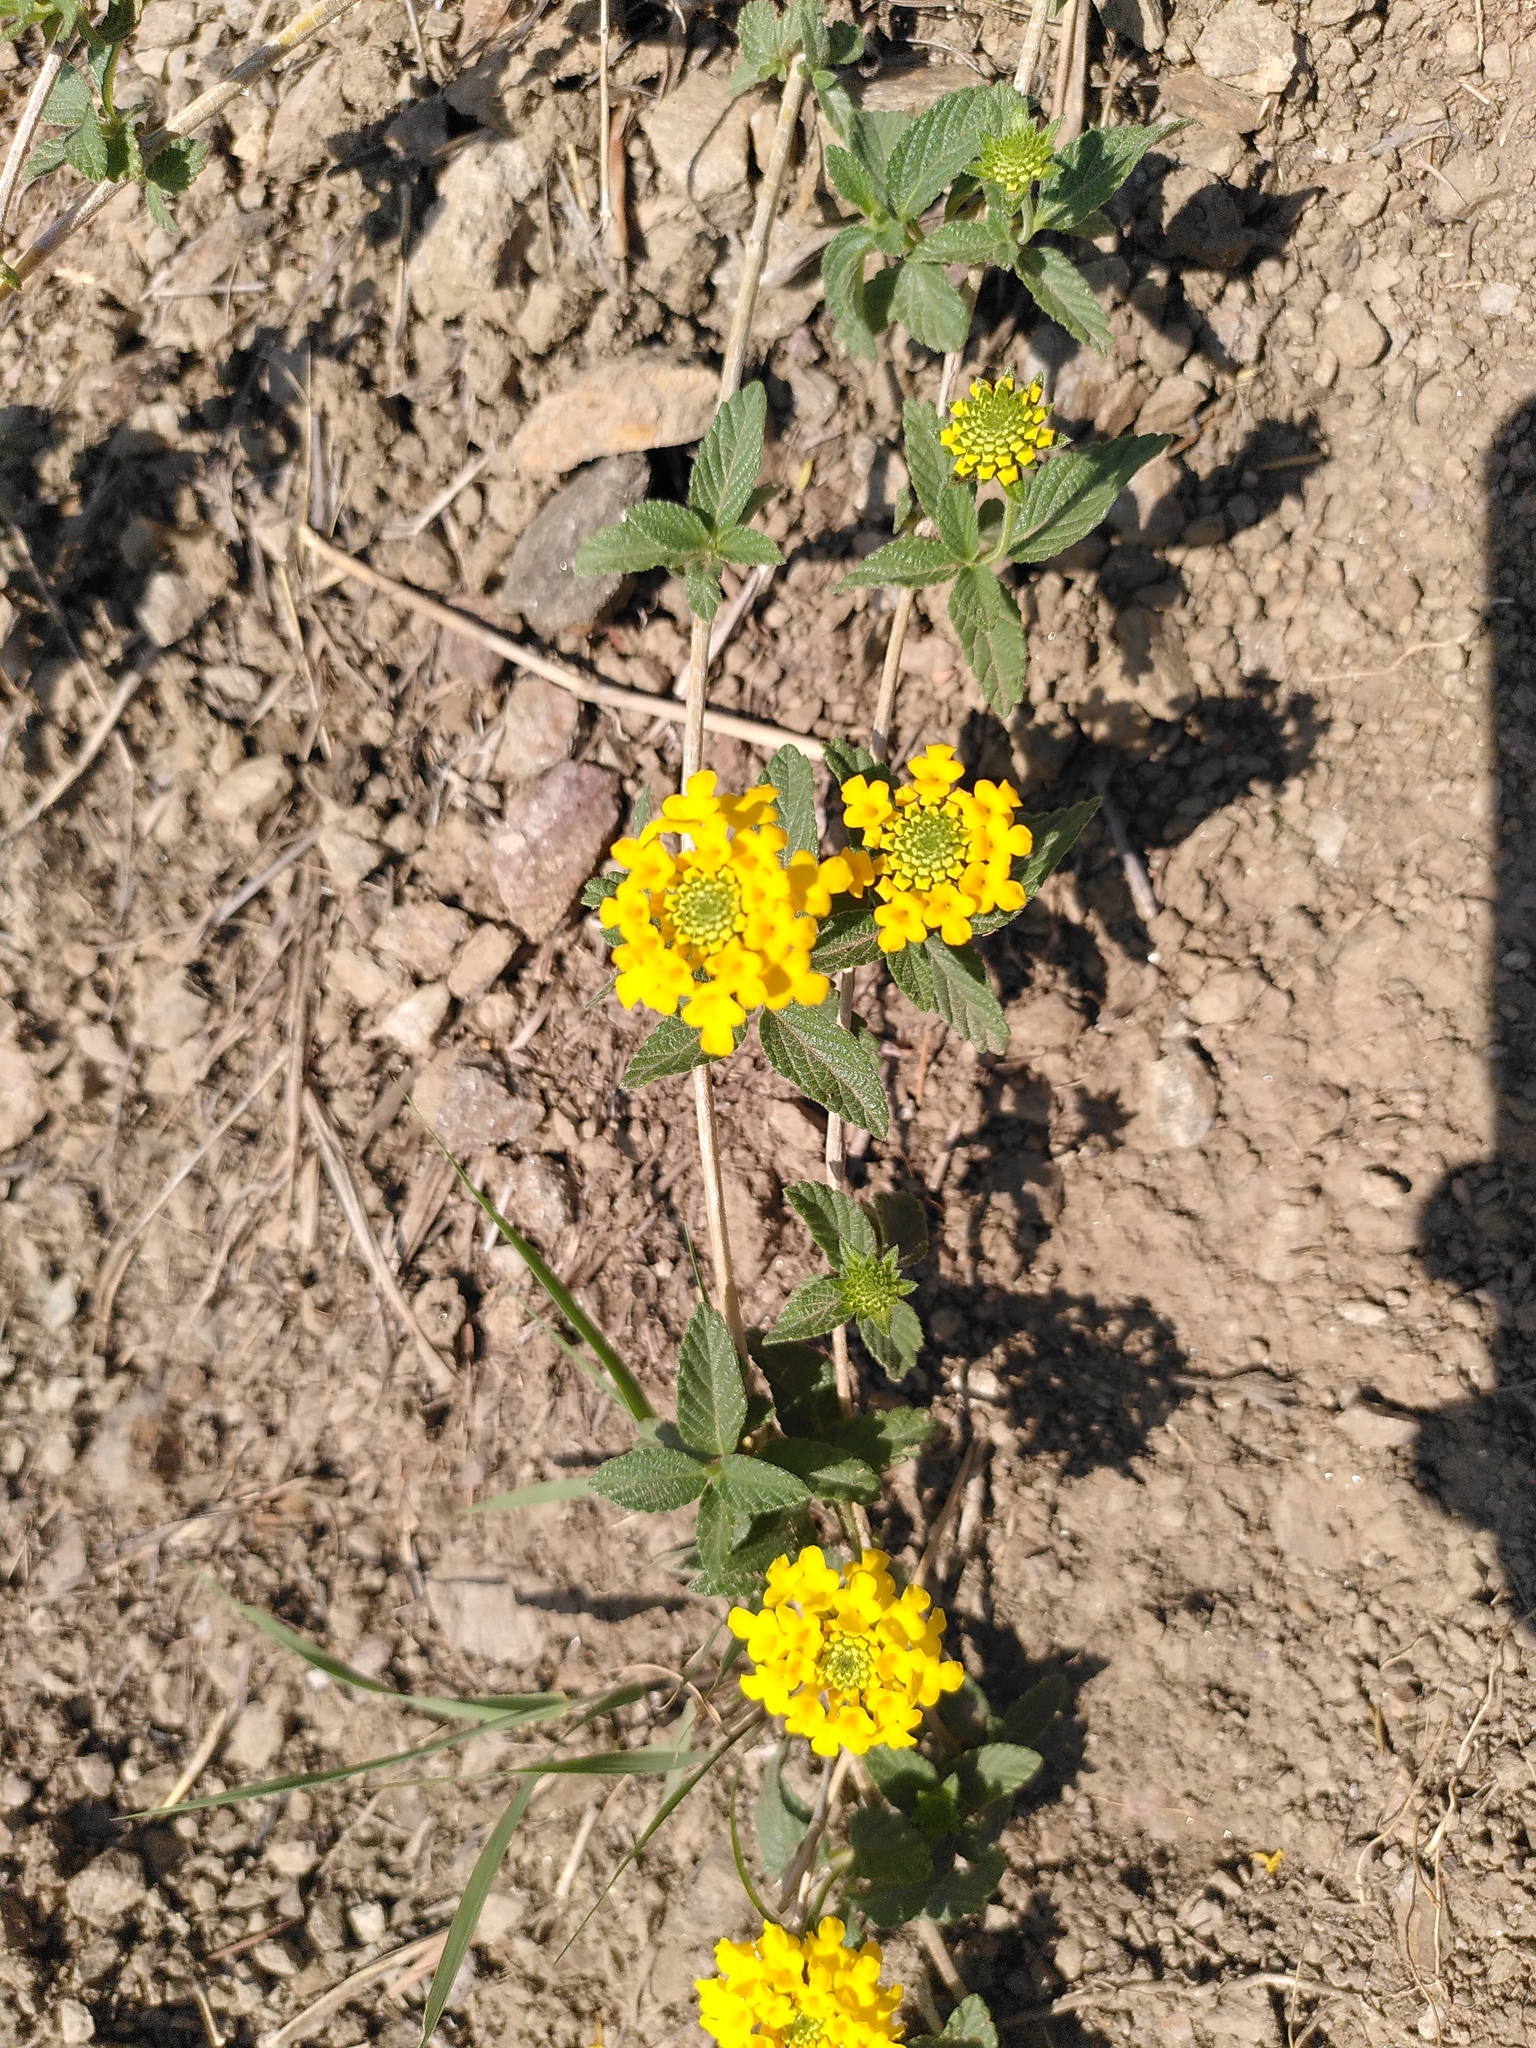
[1015, 160]
[941, 856]
[721, 926]
[997, 431]
[847, 1660]
[777, 1992]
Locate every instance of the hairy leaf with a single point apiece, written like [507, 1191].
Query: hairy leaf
[834, 1067]
[895, 1349]
[912, 971]
[963, 996]
[795, 787]
[815, 1308]
[842, 273]
[960, 1893]
[1067, 497]
[910, 560]
[884, 1436]
[996, 1771]
[70, 100]
[1028, 1719]
[955, 517]
[1058, 289]
[650, 1481]
[855, 181]
[1054, 837]
[970, 2025]
[702, 582]
[757, 38]
[745, 547]
[938, 145]
[754, 1486]
[963, 241]
[830, 1474]
[654, 535]
[730, 456]
[781, 1816]
[85, 150]
[929, 463]
[672, 1048]
[900, 1775]
[836, 1222]
[711, 1400]
[925, 302]
[1092, 169]
[986, 620]
[902, 1226]
[848, 938]
[803, 1382]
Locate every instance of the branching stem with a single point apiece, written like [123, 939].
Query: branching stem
[762, 227]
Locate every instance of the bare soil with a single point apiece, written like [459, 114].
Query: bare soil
[1232, 1305]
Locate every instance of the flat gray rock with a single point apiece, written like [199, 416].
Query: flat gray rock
[541, 580]
[554, 834]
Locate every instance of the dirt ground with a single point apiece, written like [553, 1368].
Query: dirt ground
[1232, 1304]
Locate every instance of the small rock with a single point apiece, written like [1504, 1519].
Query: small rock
[1152, 650]
[249, 791]
[422, 936]
[176, 598]
[15, 1792]
[415, 1022]
[168, 1012]
[275, 1960]
[306, 114]
[641, 401]
[1354, 335]
[555, 831]
[75, 2023]
[459, 265]
[698, 136]
[138, 1445]
[1226, 996]
[502, 1914]
[1166, 349]
[1200, 220]
[1203, 99]
[1171, 406]
[255, 1739]
[292, 1859]
[1332, 13]
[360, 978]
[481, 1615]
[479, 962]
[1181, 1098]
[477, 1108]
[349, 858]
[540, 725]
[1358, 208]
[56, 1310]
[549, 313]
[1248, 46]
[1119, 405]
[1366, 1315]
[1378, 1429]
[95, 1773]
[367, 1921]
[1139, 21]
[1069, 1956]
[541, 582]
[1148, 509]
[1462, 54]
[1238, 325]
[1498, 301]
[107, 1891]
[21, 1098]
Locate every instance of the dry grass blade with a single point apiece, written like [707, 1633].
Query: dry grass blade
[92, 745]
[314, 2017]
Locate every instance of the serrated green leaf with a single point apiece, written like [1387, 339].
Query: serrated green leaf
[835, 1221]
[855, 181]
[960, 1893]
[925, 302]
[1063, 500]
[848, 938]
[986, 620]
[842, 276]
[873, 137]
[650, 1481]
[804, 29]
[832, 96]
[711, 1400]
[902, 1226]
[901, 1775]
[975, 242]
[803, 1382]
[955, 517]
[912, 971]
[754, 1486]
[835, 1067]
[888, 1849]
[757, 39]
[599, 888]
[159, 211]
[815, 1308]
[843, 758]
[672, 1048]
[701, 580]
[1092, 225]
[935, 149]
[963, 996]
[996, 1771]
[729, 459]
[1028, 1719]
[49, 156]
[70, 100]
[1058, 289]
[1092, 169]
[85, 149]
[829, 1473]
[845, 43]
[650, 536]
[970, 2025]
[781, 1816]
[746, 547]
[539, 1495]
[883, 1436]
[714, 1533]
[895, 1350]
[910, 560]
[795, 787]
[929, 463]
[737, 1570]
[1054, 837]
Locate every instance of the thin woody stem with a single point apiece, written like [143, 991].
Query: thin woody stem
[604, 122]
[26, 128]
[756, 249]
[1034, 42]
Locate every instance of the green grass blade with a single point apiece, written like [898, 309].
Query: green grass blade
[534, 1496]
[624, 1382]
[467, 1918]
[741, 1862]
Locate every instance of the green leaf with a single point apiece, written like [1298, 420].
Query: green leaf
[730, 456]
[912, 971]
[1054, 835]
[159, 212]
[955, 517]
[1059, 291]
[86, 149]
[599, 888]
[902, 1226]
[846, 43]
[1028, 1719]
[795, 787]
[986, 620]
[925, 302]
[1067, 497]
[848, 938]
[960, 1893]
[844, 759]
[968, 2026]
[781, 1816]
[873, 138]
[70, 100]
[884, 1436]
[842, 274]
[934, 150]
[887, 1848]
[737, 1571]
[757, 38]
[536, 1496]
[836, 1222]
[672, 1048]
[831, 1474]
[49, 156]
[655, 535]
[929, 463]
[745, 547]
[755, 1486]
[996, 1771]
[803, 1382]
[895, 1349]
[1092, 169]
[815, 1307]
[711, 1400]
[963, 996]
[910, 560]
[836, 1068]
[471, 1904]
[651, 1480]
[963, 241]
[855, 181]
[901, 1775]
[702, 581]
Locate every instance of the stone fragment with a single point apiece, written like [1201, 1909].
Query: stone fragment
[1332, 13]
[640, 401]
[550, 312]
[292, 1859]
[1361, 206]
[1171, 406]
[1181, 1098]
[462, 262]
[1203, 99]
[367, 1921]
[360, 978]
[541, 580]
[249, 791]
[539, 730]
[480, 1614]
[479, 962]
[75, 2023]
[1354, 334]
[255, 1739]
[168, 1011]
[107, 1890]
[1152, 650]
[415, 1022]
[1148, 509]
[554, 834]
[502, 1914]
[176, 597]
[1140, 21]
[306, 115]
[1237, 324]
[1378, 1429]
[348, 857]
[698, 135]
[1200, 221]
[1249, 46]
[477, 1108]
[21, 1099]
[1119, 405]
[422, 936]
[1226, 996]
[1499, 300]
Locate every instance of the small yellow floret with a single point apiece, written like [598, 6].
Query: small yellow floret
[780, 1992]
[1015, 161]
[847, 1660]
[998, 431]
[942, 855]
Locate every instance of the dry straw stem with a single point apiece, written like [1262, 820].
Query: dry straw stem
[90, 747]
[314, 2017]
[26, 128]
[756, 249]
[1034, 43]
[187, 122]
[587, 688]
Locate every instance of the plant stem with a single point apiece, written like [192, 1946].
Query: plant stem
[604, 121]
[26, 128]
[1034, 42]
[762, 227]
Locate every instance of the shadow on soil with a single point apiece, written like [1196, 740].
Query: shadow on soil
[1477, 1458]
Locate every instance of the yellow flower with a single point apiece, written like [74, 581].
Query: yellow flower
[1015, 160]
[719, 927]
[998, 431]
[942, 855]
[779, 1992]
[847, 1660]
